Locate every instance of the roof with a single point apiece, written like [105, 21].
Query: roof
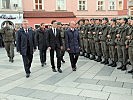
[44, 14]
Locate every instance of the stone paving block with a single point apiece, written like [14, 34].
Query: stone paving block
[66, 90]
[95, 94]
[20, 91]
[43, 95]
[90, 87]
[69, 97]
[84, 80]
[94, 99]
[128, 85]
[110, 83]
[120, 97]
[14, 97]
[106, 71]
[117, 90]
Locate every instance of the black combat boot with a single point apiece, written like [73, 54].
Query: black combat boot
[131, 71]
[124, 68]
[102, 62]
[98, 59]
[93, 57]
[88, 55]
[114, 64]
[120, 66]
[106, 62]
[111, 63]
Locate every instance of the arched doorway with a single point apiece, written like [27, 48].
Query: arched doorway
[10, 23]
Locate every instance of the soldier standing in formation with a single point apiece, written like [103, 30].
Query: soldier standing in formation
[8, 35]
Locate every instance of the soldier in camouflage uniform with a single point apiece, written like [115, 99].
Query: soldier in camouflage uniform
[97, 41]
[85, 38]
[129, 43]
[111, 43]
[90, 30]
[81, 34]
[8, 37]
[103, 38]
[62, 29]
[120, 41]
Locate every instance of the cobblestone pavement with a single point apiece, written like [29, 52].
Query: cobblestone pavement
[91, 81]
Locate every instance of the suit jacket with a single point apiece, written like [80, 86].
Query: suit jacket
[22, 41]
[52, 40]
[72, 41]
[41, 39]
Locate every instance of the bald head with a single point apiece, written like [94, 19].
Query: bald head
[72, 24]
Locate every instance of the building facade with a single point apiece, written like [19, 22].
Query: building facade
[130, 7]
[11, 11]
[38, 11]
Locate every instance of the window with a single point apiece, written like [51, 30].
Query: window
[120, 5]
[100, 5]
[112, 4]
[60, 4]
[82, 5]
[131, 11]
[39, 4]
[6, 4]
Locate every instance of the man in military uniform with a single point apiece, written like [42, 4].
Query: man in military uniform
[90, 31]
[121, 47]
[129, 43]
[103, 38]
[111, 43]
[8, 37]
[85, 38]
[81, 33]
[59, 26]
[98, 28]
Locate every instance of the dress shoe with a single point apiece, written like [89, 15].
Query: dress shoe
[45, 63]
[93, 57]
[106, 62]
[54, 70]
[27, 75]
[74, 69]
[124, 68]
[114, 64]
[59, 70]
[131, 71]
[42, 64]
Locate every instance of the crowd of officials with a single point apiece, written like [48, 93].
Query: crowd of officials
[102, 40]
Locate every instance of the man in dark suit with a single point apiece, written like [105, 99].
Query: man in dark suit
[41, 42]
[54, 43]
[73, 44]
[26, 45]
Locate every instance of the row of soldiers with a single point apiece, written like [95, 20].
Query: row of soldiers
[110, 40]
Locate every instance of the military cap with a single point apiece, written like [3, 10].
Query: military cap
[59, 23]
[105, 18]
[86, 19]
[125, 19]
[92, 19]
[114, 20]
[130, 18]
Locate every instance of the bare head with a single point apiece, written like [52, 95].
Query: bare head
[72, 24]
[25, 24]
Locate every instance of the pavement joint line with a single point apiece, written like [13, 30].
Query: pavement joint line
[109, 96]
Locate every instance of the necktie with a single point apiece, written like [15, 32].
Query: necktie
[54, 31]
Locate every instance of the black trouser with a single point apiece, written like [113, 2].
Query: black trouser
[1, 43]
[27, 60]
[43, 56]
[73, 59]
[62, 54]
[58, 55]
